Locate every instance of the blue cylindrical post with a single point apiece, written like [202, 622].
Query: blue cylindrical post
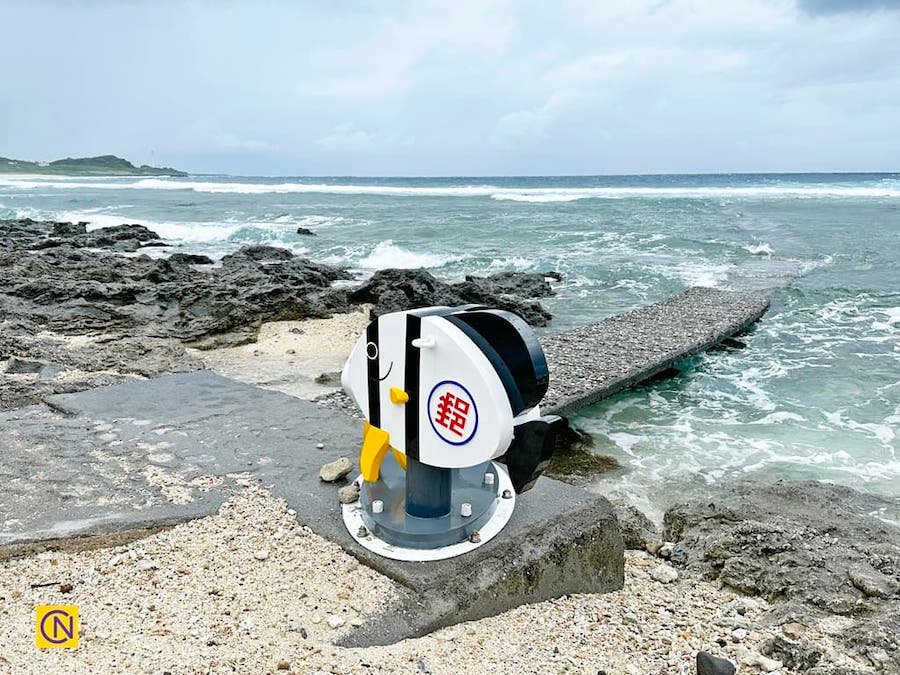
[427, 490]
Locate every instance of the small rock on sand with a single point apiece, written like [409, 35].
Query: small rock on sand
[334, 471]
[793, 630]
[335, 621]
[664, 574]
[751, 658]
[707, 664]
[348, 494]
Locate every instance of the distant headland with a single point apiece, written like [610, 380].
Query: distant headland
[104, 165]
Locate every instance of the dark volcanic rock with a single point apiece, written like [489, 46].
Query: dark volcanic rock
[522, 284]
[707, 664]
[809, 548]
[189, 259]
[135, 312]
[129, 237]
[69, 229]
[68, 290]
[800, 655]
[306, 232]
[258, 252]
[395, 290]
[637, 529]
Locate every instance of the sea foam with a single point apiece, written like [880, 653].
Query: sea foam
[387, 254]
[519, 194]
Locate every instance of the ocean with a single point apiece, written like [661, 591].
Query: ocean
[816, 392]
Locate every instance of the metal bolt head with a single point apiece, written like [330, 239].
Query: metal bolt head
[377, 506]
[507, 494]
[475, 537]
[465, 509]
[488, 478]
[362, 531]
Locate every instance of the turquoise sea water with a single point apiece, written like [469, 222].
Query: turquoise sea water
[816, 394]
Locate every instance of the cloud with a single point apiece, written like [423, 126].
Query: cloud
[346, 137]
[456, 86]
[816, 7]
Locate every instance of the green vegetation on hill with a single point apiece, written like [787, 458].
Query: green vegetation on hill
[104, 165]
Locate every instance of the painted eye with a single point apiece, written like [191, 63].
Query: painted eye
[372, 351]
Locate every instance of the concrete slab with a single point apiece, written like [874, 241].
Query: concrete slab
[594, 362]
[150, 453]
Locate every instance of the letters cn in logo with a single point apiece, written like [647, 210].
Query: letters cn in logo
[452, 412]
[56, 626]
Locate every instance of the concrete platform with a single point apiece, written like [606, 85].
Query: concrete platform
[146, 454]
[591, 363]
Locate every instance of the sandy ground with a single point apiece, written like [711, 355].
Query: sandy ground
[248, 590]
[290, 355]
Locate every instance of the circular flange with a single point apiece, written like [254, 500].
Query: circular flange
[353, 520]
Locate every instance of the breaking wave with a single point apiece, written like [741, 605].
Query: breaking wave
[518, 194]
[387, 254]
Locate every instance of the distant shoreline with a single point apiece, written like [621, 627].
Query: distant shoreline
[103, 165]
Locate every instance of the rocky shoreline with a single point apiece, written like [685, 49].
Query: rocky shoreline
[77, 313]
[81, 309]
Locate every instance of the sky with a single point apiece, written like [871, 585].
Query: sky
[458, 87]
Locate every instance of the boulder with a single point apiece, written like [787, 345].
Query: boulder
[257, 252]
[809, 548]
[189, 259]
[394, 290]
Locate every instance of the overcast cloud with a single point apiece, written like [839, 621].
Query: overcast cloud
[478, 87]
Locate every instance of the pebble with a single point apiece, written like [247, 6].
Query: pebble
[793, 630]
[334, 471]
[320, 445]
[262, 554]
[283, 665]
[653, 546]
[751, 658]
[348, 494]
[146, 564]
[664, 574]
[739, 634]
[335, 621]
[665, 551]
[707, 664]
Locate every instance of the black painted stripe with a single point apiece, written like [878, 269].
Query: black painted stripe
[411, 385]
[373, 375]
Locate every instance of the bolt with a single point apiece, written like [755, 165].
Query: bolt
[465, 509]
[507, 494]
[488, 478]
[362, 531]
[377, 506]
[475, 537]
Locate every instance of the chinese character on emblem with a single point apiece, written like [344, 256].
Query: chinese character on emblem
[454, 416]
[451, 413]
